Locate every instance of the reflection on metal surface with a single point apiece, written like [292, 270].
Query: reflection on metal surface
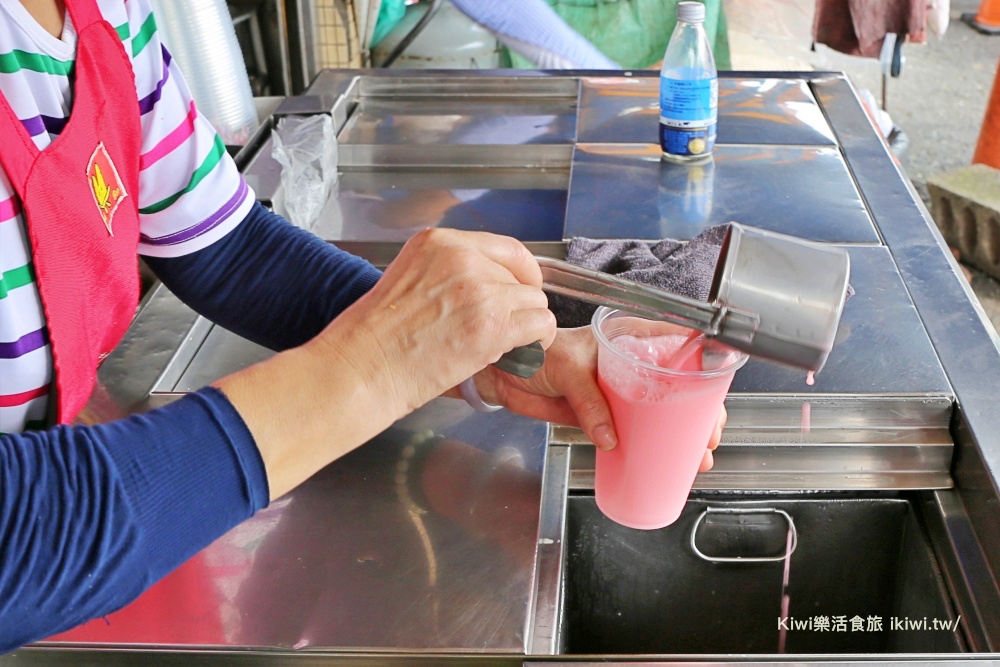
[424, 538]
[460, 120]
[751, 111]
[393, 204]
[855, 442]
[509, 84]
[627, 191]
[219, 353]
[132, 371]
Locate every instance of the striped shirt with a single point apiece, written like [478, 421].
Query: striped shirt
[190, 192]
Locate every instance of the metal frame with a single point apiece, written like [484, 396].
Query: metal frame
[962, 522]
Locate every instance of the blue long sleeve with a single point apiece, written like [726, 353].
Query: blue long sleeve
[92, 516]
[268, 280]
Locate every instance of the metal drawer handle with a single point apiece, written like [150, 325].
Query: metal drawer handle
[741, 559]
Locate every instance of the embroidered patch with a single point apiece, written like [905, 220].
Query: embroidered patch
[105, 185]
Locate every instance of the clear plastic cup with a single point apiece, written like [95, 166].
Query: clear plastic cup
[665, 388]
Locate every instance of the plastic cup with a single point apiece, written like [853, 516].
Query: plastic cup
[664, 417]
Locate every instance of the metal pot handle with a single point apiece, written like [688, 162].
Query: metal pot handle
[742, 559]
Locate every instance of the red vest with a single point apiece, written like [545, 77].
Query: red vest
[80, 197]
[80, 200]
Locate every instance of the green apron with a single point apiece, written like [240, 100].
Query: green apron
[634, 33]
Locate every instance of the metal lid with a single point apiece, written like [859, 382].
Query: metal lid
[691, 12]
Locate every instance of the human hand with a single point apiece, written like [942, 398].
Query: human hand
[450, 304]
[565, 391]
[708, 460]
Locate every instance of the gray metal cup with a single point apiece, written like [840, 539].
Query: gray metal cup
[795, 288]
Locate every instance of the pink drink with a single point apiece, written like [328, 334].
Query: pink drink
[664, 417]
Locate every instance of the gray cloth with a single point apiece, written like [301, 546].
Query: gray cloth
[680, 268]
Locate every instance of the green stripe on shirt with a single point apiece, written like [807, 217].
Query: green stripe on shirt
[124, 31]
[16, 60]
[145, 34]
[19, 277]
[210, 162]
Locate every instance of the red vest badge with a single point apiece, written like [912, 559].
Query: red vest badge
[105, 185]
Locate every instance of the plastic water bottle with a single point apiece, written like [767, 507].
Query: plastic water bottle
[689, 89]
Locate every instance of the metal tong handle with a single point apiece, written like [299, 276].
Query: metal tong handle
[602, 289]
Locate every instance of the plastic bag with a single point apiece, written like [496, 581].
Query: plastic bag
[306, 149]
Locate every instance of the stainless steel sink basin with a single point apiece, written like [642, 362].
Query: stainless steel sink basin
[862, 580]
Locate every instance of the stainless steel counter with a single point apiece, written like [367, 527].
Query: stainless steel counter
[463, 538]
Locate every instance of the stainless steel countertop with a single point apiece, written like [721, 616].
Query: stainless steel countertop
[438, 557]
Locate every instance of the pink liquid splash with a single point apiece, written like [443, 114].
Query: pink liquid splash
[807, 407]
[689, 347]
[786, 599]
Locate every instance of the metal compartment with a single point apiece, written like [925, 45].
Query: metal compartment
[861, 573]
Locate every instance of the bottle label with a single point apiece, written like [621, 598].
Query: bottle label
[689, 142]
[688, 102]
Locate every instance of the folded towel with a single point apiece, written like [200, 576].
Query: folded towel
[673, 266]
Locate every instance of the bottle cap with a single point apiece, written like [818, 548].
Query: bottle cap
[691, 12]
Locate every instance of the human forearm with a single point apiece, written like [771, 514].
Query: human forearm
[308, 406]
[91, 516]
[268, 281]
[533, 28]
[449, 305]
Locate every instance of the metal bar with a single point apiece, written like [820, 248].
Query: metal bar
[432, 83]
[542, 635]
[603, 289]
[965, 569]
[531, 156]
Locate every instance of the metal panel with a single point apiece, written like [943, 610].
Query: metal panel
[393, 204]
[220, 353]
[627, 191]
[752, 110]
[153, 344]
[966, 343]
[881, 346]
[876, 461]
[462, 120]
[422, 539]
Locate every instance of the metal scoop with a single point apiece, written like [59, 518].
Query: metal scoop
[773, 296]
